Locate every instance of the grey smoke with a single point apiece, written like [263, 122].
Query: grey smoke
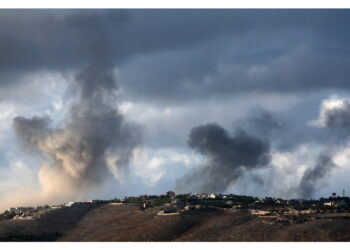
[93, 131]
[226, 158]
[261, 123]
[337, 120]
[95, 141]
[312, 177]
[32, 131]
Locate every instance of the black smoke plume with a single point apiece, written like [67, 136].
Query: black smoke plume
[311, 177]
[226, 158]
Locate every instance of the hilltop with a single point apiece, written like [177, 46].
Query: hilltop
[186, 217]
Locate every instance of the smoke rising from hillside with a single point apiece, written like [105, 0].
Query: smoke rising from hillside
[94, 140]
[311, 177]
[226, 158]
[77, 154]
[334, 114]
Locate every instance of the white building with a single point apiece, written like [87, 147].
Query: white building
[212, 196]
[260, 212]
[69, 204]
[329, 204]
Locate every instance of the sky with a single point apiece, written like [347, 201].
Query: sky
[118, 102]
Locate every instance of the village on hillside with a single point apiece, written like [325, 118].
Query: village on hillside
[275, 210]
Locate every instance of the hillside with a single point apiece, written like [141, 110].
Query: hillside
[113, 222]
[127, 223]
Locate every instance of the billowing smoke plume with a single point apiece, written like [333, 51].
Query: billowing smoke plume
[94, 139]
[226, 158]
[311, 177]
[334, 114]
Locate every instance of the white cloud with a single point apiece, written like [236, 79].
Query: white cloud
[7, 113]
[289, 167]
[333, 102]
[153, 165]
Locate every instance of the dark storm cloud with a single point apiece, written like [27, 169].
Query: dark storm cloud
[212, 71]
[283, 51]
[54, 39]
[226, 158]
[312, 177]
[184, 53]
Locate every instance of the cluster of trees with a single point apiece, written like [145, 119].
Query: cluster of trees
[220, 201]
[151, 200]
[6, 215]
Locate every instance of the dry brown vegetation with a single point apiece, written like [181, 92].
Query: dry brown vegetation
[128, 223]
